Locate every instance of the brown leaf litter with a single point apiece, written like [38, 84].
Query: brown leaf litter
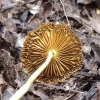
[18, 17]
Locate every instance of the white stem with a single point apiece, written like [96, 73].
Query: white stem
[32, 78]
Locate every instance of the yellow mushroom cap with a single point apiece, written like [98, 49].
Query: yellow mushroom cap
[66, 46]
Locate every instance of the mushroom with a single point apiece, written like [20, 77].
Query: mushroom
[64, 43]
[51, 54]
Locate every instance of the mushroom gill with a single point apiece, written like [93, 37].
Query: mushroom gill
[66, 46]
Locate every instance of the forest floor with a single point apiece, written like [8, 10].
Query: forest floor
[18, 17]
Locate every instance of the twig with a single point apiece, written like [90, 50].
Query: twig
[77, 91]
[65, 12]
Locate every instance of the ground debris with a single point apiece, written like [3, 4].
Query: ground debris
[18, 17]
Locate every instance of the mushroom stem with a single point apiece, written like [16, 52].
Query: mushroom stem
[32, 78]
